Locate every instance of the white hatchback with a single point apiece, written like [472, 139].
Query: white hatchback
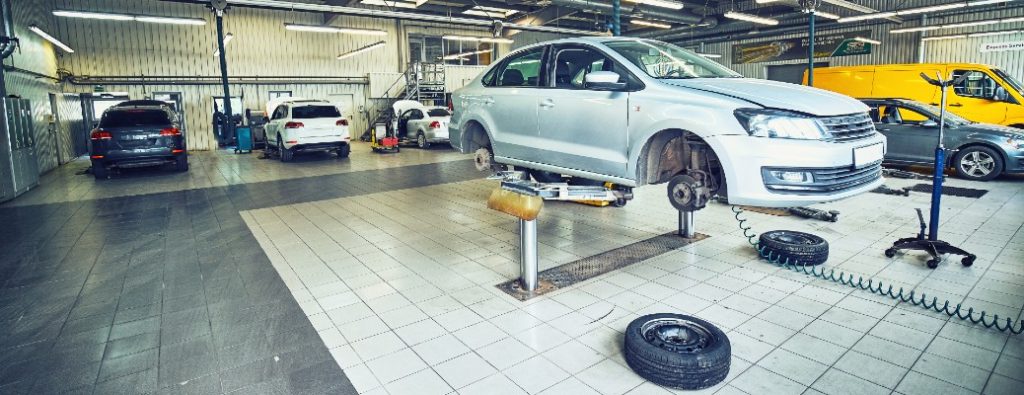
[308, 126]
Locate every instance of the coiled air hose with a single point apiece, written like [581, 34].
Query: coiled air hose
[877, 287]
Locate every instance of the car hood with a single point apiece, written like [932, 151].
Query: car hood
[774, 94]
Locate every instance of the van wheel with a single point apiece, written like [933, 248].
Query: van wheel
[344, 151]
[421, 141]
[978, 163]
[181, 163]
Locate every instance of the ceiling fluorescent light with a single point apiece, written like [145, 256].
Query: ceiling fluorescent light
[877, 15]
[827, 15]
[659, 3]
[125, 17]
[710, 55]
[640, 22]
[227, 39]
[390, 3]
[171, 21]
[355, 52]
[53, 40]
[1002, 33]
[969, 24]
[766, 1]
[750, 18]
[480, 39]
[986, 2]
[1011, 20]
[934, 8]
[490, 12]
[465, 54]
[915, 29]
[333, 29]
[867, 40]
[937, 38]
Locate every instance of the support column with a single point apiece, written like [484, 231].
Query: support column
[528, 254]
[616, 17]
[686, 224]
[810, 50]
[229, 123]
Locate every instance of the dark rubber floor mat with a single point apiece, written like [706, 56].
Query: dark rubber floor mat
[952, 191]
[596, 265]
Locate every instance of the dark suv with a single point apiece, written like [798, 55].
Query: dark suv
[137, 134]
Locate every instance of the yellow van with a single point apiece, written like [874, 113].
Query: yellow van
[988, 95]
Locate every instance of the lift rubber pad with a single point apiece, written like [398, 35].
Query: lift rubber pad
[952, 191]
[586, 268]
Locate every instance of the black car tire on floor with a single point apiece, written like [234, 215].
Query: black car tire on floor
[798, 248]
[981, 154]
[286, 154]
[344, 151]
[100, 172]
[678, 351]
[545, 176]
[181, 163]
[421, 141]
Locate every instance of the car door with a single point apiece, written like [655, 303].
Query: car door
[580, 127]
[412, 124]
[910, 137]
[510, 103]
[974, 97]
[277, 119]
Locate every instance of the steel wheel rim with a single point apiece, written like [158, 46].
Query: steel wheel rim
[677, 335]
[977, 164]
[421, 140]
[482, 159]
[791, 238]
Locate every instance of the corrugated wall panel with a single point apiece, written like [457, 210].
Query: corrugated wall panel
[969, 49]
[72, 133]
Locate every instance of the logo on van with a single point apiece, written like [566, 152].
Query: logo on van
[1002, 47]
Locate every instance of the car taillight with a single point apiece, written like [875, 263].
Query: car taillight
[293, 125]
[170, 132]
[435, 125]
[341, 122]
[101, 135]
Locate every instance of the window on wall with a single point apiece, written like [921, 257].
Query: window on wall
[436, 49]
[278, 94]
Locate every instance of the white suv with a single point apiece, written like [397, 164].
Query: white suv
[634, 112]
[308, 125]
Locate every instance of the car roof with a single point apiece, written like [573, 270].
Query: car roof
[306, 101]
[138, 107]
[586, 40]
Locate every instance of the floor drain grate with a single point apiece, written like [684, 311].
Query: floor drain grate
[952, 191]
[586, 268]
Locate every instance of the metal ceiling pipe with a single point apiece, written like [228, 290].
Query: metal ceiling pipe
[653, 13]
[682, 31]
[8, 32]
[293, 6]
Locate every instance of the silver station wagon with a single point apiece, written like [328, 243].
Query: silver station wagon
[635, 112]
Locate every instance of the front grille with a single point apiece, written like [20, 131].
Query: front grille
[849, 127]
[829, 180]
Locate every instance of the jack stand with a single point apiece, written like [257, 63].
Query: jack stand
[931, 244]
[528, 261]
[685, 224]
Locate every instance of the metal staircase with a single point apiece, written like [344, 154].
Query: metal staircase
[423, 82]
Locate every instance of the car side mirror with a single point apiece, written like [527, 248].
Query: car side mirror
[603, 81]
[929, 123]
[1000, 94]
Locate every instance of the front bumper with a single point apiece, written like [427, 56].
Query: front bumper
[747, 159]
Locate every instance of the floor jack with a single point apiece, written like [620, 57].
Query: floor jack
[931, 244]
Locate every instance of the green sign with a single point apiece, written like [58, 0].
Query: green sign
[98, 89]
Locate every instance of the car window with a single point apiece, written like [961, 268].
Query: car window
[911, 117]
[280, 112]
[306, 112]
[130, 118]
[977, 85]
[521, 69]
[664, 60]
[415, 114]
[571, 66]
[438, 112]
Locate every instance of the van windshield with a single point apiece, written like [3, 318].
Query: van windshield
[664, 60]
[1015, 85]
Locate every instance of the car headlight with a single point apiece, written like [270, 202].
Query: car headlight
[781, 124]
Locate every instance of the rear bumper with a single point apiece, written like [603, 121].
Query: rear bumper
[311, 147]
[436, 135]
[137, 158]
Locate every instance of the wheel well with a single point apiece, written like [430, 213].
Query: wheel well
[1002, 155]
[670, 152]
[475, 137]
[1018, 126]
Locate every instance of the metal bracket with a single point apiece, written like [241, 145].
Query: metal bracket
[519, 182]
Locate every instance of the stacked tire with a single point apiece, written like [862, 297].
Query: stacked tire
[678, 351]
[795, 248]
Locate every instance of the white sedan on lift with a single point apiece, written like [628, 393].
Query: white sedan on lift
[420, 124]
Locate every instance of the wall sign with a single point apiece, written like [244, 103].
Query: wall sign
[1002, 47]
[825, 45]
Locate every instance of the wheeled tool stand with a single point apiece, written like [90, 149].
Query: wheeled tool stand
[931, 244]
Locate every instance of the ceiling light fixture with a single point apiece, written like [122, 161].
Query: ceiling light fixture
[986, 2]
[750, 18]
[333, 29]
[982, 34]
[640, 22]
[358, 51]
[937, 38]
[498, 40]
[922, 10]
[970, 24]
[865, 17]
[53, 40]
[915, 29]
[710, 55]
[934, 8]
[1002, 33]
[392, 3]
[465, 54]
[958, 25]
[827, 15]
[490, 12]
[659, 3]
[126, 17]
[867, 40]
[227, 39]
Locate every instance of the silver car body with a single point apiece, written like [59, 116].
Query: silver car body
[601, 134]
[421, 121]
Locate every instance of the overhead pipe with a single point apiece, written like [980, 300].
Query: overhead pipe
[293, 6]
[8, 42]
[650, 12]
[708, 22]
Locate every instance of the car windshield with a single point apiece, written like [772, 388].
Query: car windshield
[664, 60]
[439, 112]
[305, 112]
[934, 111]
[1014, 84]
[134, 118]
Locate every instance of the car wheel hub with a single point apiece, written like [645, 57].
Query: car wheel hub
[977, 164]
[482, 159]
[676, 335]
